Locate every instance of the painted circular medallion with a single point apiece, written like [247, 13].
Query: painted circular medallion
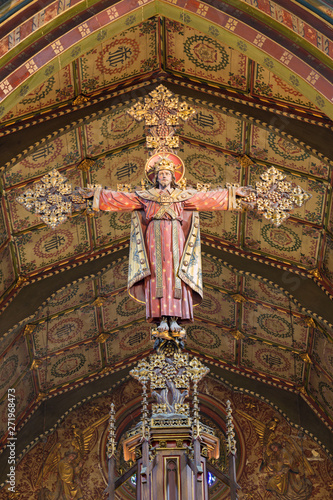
[65, 330]
[282, 238]
[273, 360]
[326, 393]
[288, 150]
[211, 268]
[54, 243]
[63, 296]
[129, 307]
[8, 370]
[68, 365]
[203, 337]
[275, 325]
[117, 56]
[204, 169]
[45, 155]
[207, 122]
[134, 340]
[118, 124]
[206, 53]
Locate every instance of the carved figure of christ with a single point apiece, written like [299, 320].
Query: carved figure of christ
[165, 257]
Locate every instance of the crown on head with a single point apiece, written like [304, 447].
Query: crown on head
[164, 164]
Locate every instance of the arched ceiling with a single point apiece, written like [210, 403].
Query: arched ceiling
[265, 324]
[283, 35]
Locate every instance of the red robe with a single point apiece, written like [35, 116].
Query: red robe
[164, 260]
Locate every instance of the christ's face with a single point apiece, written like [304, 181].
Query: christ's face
[164, 178]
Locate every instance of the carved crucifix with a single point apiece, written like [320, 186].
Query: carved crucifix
[165, 255]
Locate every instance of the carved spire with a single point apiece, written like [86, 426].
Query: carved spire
[111, 444]
[231, 441]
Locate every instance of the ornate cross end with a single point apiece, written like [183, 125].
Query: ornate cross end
[162, 112]
[53, 199]
[274, 197]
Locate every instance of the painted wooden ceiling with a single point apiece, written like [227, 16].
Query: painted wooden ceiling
[267, 316]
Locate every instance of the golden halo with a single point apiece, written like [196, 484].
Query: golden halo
[156, 158]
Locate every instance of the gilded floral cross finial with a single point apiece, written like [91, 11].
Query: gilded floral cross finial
[162, 111]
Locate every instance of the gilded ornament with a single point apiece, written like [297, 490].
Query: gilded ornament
[162, 111]
[106, 369]
[231, 441]
[245, 161]
[310, 322]
[80, 99]
[29, 329]
[53, 199]
[86, 164]
[237, 334]
[36, 363]
[204, 451]
[126, 188]
[274, 197]
[99, 301]
[302, 389]
[238, 297]
[111, 442]
[41, 396]
[170, 376]
[203, 187]
[102, 337]
[305, 357]
[20, 280]
[315, 273]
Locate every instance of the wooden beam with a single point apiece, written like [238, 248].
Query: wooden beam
[129, 473]
[217, 473]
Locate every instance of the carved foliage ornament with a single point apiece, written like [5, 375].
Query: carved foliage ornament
[170, 379]
[53, 199]
[162, 111]
[274, 197]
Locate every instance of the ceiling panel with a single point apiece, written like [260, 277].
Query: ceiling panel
[266, 84]
[273, 361]
[128, 54]
[272, 148]
[195, 54]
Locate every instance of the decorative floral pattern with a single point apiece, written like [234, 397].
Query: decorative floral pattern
[121, 58]
[195, 54]
[267, 84]
[60, 333]
[69, 366]
[295, 243]
[42, 247]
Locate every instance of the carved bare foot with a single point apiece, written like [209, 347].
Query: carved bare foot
[163, 327]
[174, 327]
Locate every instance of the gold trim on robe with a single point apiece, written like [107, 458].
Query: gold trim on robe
[190, 267]
[138, 264]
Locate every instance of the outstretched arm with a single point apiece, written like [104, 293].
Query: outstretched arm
[223, 199]
[112, 201]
